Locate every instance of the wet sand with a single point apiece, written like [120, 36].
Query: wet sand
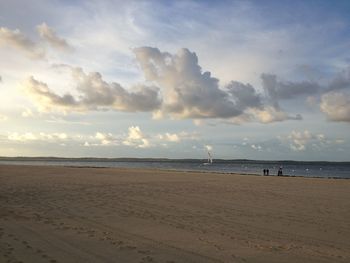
[62, 214]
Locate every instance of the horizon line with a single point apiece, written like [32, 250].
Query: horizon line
[54, 158]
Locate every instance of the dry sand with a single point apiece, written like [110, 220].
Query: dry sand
[60, 214]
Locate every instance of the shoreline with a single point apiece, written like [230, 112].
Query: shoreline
[179, 170]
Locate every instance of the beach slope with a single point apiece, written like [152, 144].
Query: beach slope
[71, 214]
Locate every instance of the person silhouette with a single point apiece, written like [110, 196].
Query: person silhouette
[280, 172]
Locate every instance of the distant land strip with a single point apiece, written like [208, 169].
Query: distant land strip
[165, 160]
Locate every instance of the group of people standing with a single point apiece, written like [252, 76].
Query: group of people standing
[266, 171]
[279, 173]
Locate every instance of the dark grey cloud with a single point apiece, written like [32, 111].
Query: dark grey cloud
[187, 91]
[277, 90]
[244, 95]
[94, 94]
[175, 86]
[35, 50]
[45, 97]
[335, 98]
[340, 81]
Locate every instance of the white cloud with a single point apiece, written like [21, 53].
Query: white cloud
[29, 136]
[15, 39]
[300, 140]
[136, 138]
[256, 147]
[27, 113]
[335, 100]
[271, 114]
[177, 137]
[336, 105]
[99, 139]
[208, 147]
[22, 137]
[135, 133]
[170, 137]
[106, 138]
[49, 35]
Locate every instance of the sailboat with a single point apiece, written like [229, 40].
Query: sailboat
[210, 160]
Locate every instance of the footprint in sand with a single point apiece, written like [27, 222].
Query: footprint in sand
[147, 259]
[8, 252]
[130, 247]
[144, 252]
[45, 256]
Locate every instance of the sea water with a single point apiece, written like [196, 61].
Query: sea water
[290, 168]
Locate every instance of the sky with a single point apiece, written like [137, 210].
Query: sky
[267, 80]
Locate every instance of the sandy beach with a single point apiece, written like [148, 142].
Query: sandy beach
[62, 214]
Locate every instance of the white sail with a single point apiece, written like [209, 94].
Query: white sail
[210, 159]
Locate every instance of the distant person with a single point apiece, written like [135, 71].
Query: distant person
[267, 172]
[264, 171]
[280, 173]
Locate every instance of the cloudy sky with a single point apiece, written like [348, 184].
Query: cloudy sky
[245, 79]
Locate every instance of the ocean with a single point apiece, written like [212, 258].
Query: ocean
[290, 168]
